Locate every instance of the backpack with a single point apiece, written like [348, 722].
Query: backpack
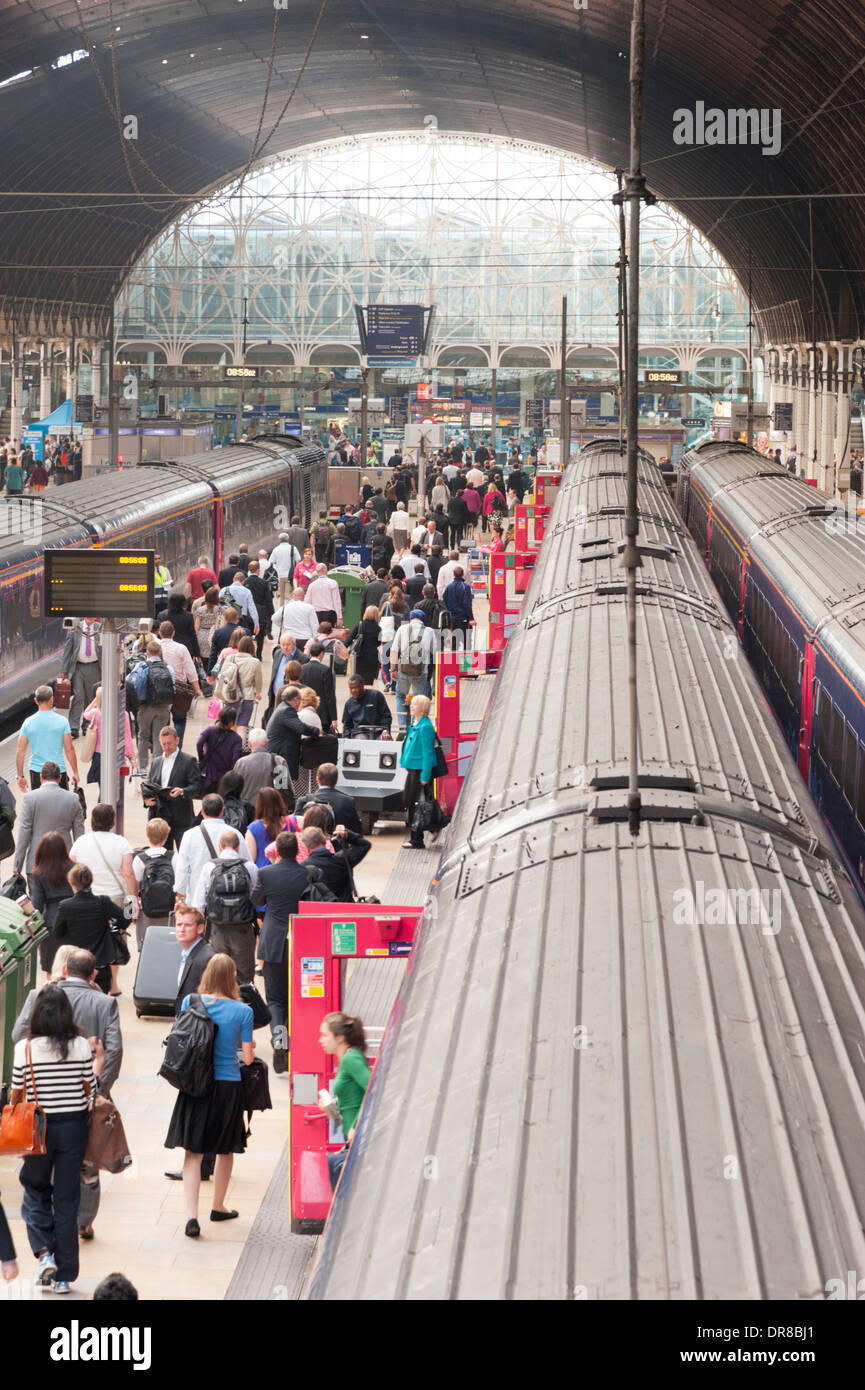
[271, 579]
[226, 598]
[157, 885]
[407, 667]
[158, 684]
[352, 529]
[316, 891]
[234, 815]
[228, 895]
[188, 1061]
[230, 679]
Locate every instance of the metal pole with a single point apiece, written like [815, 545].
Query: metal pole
[623, 319]
[634, 191]
[564, 405]
[364, 414]
[749, 437]
[241, 395]
[109, 779]
[421, 476]
[113, 397]
[494, 405]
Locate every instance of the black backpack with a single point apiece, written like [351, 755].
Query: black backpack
[234, 815]
[157, 885]
[228, 895]
[352, 529]
[188, 1061]
[160, 686]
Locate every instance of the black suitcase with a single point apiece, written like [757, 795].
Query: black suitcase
[155, 988]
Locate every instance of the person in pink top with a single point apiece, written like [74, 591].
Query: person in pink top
[175, 655]
[325, 597]
[93, 714]
[306, 570]
[472, 499]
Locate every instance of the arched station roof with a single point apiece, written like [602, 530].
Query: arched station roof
[194, 74]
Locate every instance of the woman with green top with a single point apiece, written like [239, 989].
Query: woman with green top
[419, 756]
[342, 1036]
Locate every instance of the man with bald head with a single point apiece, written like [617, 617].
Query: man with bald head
[285, 652]
[260, 768]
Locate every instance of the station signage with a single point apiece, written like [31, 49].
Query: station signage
[394, 330]
[695, 424]
[534, 413]
[106, 583]
[663, 378]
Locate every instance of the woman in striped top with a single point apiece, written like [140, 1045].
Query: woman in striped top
[54, 1065]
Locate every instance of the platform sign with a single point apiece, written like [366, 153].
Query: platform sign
[355, 555]
[84, 410]
[397, 409]
[534, 412]
[105, 583]
[343, 938]
[695, 424]
[394, 330]
[312, 977]
[784, 415]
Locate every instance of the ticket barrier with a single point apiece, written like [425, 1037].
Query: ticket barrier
[547, 480]
[505, 594]
[530, 524]
[349, 958]
[458, 746]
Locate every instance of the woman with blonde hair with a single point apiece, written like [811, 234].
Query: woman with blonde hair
[307, 713]
[214, 1123]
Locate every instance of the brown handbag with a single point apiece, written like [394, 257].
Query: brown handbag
[22, 1126]
[107, 1147]
[62, 694]
[184, 694]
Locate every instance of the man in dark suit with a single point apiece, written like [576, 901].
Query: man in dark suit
[96, 1016]
[173, 780]
[335, 871]
[376, 591]
[263, 600]
[286, 651]
[340, 804]
[227, 575]
[222, 636]
[280, 887]
[320, 678]
[189, 930]
[286, 729]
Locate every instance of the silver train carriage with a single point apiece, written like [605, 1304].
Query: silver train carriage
[205, 504]
[619, 1068]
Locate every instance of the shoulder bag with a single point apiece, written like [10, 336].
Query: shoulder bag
[128, 906]
[184, 694]
[441, 764]
[88, 743]
[22, 1126]
[107, 1147]
[354, 893]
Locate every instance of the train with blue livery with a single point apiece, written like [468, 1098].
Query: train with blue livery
[790, 568]
[206, 504]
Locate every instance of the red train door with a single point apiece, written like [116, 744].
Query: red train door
[218, 534]
[807, 710]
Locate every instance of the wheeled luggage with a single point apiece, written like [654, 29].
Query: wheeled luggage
[155, 988]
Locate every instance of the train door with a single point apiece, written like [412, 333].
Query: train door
[348, 957]
[218, 534]
[807, 711]
[743, 584]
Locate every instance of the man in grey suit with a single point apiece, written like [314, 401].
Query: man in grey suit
[49, 808]
[96, 1015]
[81, 662]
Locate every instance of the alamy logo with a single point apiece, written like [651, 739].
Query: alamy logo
[728, 907]
[21, 517]
[77, 1343]
[738, 126]
[853, 1287]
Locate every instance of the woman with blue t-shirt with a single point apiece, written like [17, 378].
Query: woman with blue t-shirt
[214, 1123]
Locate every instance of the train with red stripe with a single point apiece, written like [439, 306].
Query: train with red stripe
[790, 567]
[205, 504]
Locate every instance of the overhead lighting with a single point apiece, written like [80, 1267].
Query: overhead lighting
[364, 36]
[192, 55]
[164, 61]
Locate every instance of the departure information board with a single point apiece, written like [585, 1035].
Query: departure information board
[99, 583]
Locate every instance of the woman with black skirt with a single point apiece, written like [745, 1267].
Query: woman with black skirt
[49, 887]
[214, 1123]
[367, 634]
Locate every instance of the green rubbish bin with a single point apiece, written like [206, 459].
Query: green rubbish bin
[351, 586]
[20, 935]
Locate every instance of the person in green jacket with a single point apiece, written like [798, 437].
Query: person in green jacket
[14, 478]
[342, 1036]
[419, 757]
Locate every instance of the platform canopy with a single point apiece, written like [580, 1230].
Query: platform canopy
[131, 111]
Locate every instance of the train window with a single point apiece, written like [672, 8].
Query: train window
[12, 630]
[33, 606]
[860, 789]
[837, 743]
[851, 745]
[824, 726]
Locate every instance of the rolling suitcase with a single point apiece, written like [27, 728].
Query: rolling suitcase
[155, 988]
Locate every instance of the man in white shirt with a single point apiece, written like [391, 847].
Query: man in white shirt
[450, 470]
[418, 535]
[283, 557]
[446, 574]
[324, 597]
[107, 856]
[177, 657]
[295, 617]
[195, 851]
[238, 939]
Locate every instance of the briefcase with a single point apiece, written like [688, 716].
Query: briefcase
[62, 694]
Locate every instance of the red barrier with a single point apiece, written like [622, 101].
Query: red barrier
[530, 524]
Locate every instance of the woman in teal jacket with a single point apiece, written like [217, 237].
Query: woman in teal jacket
[419, 756]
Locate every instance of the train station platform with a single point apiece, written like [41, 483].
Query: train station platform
[140, 1227]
